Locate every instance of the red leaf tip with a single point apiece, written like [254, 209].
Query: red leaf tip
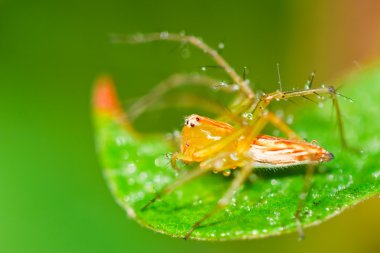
[105, 97]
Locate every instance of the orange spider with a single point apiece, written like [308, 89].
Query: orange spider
[263, 152]
[218, 146]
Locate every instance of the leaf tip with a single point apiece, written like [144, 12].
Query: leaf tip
[104, 96]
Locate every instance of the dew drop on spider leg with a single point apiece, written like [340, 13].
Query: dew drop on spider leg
[164, 35]
[227, 173]
[235, 87]
[248, 115]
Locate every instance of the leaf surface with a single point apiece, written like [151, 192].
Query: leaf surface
[135, 168]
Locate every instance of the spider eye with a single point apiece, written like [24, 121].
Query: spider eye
[197, 119]
[192, 125]
[186, 122]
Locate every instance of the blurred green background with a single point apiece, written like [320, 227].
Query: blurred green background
[52, 194]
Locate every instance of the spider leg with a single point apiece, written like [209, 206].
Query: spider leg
[186, 177]
[168, 84]
[225, 199]
[281, 125]
[141, 38]
[259, 110]
[310, 169]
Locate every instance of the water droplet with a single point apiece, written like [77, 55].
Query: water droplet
[248, 115]
[164, 35]
[203, 68]
[143, 176]
[273, 182]
[221, 45]
[140, 195]
[223, 84]
[161, 161]
[131, 168]
[149, 187]
[376, 174]
[320, 105]
[130, 212]
[234, 156]
[280, 113]
[289, 119]
[315, 195]
[226, 173]
[271, 221]
[197, 202]
[235, 87]
[314, 142]
[121, 140]
[302, 196]
[138, 37]
[218, 164]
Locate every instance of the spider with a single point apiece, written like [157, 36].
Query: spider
[215, 145]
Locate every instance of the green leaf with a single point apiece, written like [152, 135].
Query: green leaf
[135, 168]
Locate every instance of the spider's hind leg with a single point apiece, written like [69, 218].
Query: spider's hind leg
[225, 199]
[185, 178]
[280, 95]
[310, 169]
